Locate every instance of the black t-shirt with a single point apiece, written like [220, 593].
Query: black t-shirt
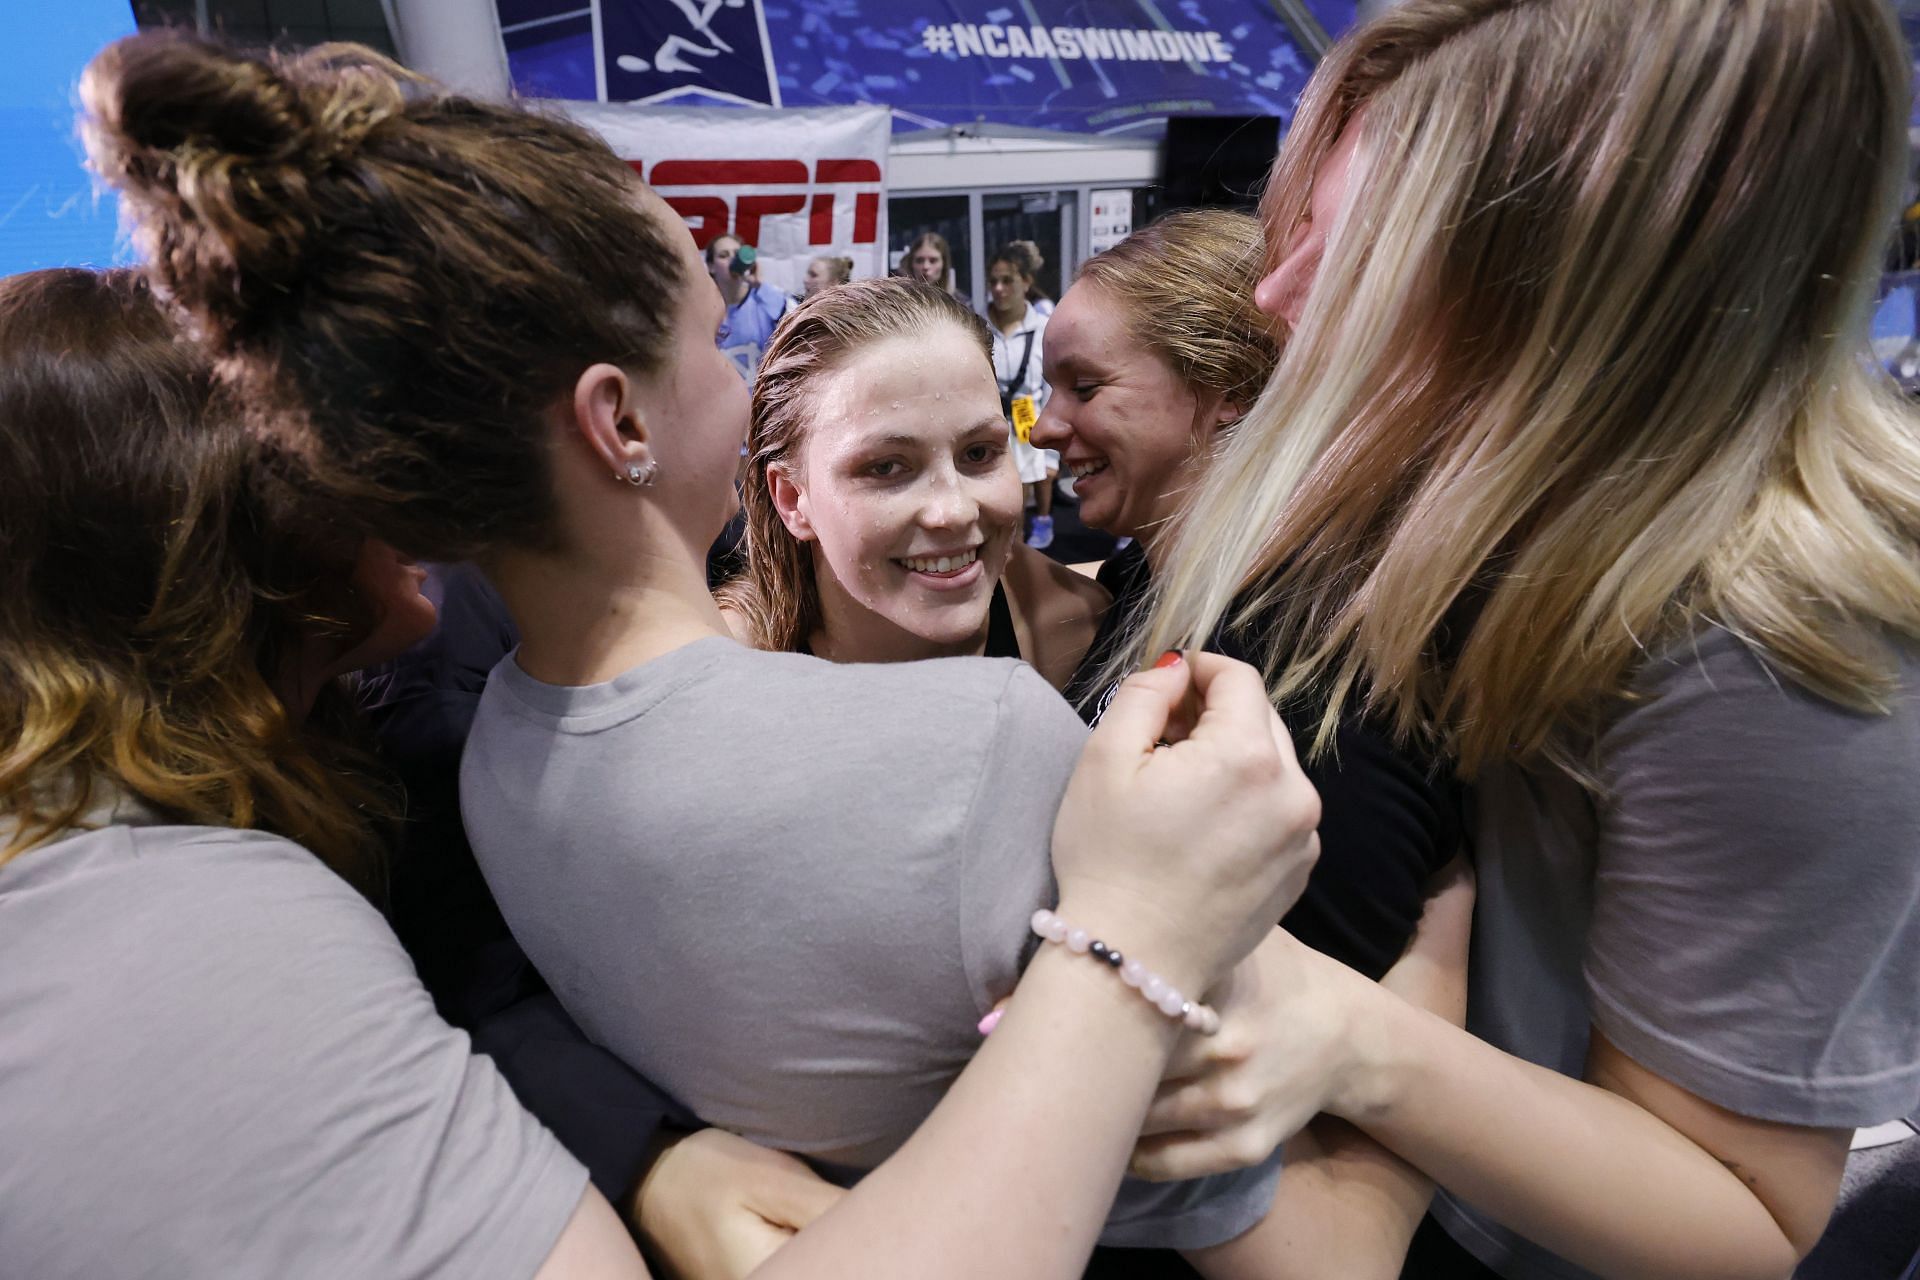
[1390, 817]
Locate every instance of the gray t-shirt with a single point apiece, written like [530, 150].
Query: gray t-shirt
[786, 890]
[1739, 911]
[217, 1061]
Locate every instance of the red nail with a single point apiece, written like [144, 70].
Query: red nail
[1171, 658]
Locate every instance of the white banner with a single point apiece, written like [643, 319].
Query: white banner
[795, 184]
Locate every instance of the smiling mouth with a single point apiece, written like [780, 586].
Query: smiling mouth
[1081, 470]
[940, 564]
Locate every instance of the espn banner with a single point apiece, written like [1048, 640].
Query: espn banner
[796, 185]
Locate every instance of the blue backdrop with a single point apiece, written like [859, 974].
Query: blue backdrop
[49, 213]
[1095, 66]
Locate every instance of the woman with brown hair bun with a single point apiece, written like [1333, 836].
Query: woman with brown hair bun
[217, 1059]
[484, 337]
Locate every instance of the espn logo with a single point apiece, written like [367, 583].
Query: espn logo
[739, 213]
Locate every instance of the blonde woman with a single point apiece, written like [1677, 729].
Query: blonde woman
[1574, 466]
[1154, 355]
[883, 507]
[824, 273]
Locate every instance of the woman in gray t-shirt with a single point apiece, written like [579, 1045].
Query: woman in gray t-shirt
[217, 1059]
[1577, 464]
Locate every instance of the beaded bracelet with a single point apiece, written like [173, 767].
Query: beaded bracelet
[1159, 992]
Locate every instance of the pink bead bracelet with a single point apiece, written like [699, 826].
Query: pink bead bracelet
[1159, 992]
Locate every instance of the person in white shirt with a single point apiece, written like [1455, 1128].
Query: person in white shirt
[1018, 331]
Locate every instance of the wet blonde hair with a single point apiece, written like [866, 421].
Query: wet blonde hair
[1583, 370]
[777, 595]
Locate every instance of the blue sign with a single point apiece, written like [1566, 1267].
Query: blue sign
[50, 213]
[1090, 66]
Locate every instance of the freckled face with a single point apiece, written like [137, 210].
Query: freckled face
[906, 487]
[1128, 430]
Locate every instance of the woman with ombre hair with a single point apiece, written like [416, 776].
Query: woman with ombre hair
[1575, 468]
[209, 1025]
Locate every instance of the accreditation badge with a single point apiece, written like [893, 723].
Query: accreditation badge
[1024, 416]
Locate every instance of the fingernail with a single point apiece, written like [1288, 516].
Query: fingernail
[1171, 658]
[992, 1020]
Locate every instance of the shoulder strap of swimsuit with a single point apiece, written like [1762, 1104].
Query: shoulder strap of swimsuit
[1002, 641]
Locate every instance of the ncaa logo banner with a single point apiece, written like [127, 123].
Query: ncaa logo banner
[668, 49]
[1092, 66]
[796, 184]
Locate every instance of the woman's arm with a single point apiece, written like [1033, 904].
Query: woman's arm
[1056, 613]
[1345, 1205]
[1625, 1174]
[1013, 1173]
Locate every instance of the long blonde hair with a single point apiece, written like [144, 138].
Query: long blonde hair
[1583, 370]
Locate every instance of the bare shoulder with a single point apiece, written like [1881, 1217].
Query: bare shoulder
[1056, 612]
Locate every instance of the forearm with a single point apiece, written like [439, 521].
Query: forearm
[1345, 1206]
[1577, 1169]
[1014, 1172]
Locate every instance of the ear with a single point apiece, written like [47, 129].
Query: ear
[790, 501]
[1215, 414]
[608, 418]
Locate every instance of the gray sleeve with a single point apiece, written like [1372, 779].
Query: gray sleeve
[1008, 873]
[266, 1088]
[1007, 848]
[1756, 926]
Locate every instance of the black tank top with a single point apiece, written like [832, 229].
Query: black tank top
[1001, 640]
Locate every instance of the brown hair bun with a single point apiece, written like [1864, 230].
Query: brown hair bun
[397, 281]
[228, 142]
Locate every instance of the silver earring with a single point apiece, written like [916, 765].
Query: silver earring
[640, 474]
